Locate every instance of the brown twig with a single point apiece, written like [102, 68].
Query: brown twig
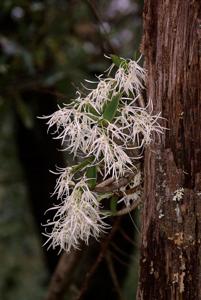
[122, 262]
[128, 209]
[62, 275]
[120, 251]
[103, 250]
[129, 239]
[110, 185]
[104, 32]
[113, 275]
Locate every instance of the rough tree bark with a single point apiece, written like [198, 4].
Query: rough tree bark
[171, 230]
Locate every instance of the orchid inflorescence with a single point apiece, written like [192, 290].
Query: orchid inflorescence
[107, 131]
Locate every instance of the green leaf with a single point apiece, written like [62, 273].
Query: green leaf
[92, 110]
[91, 174]
[117, 60]
[113, 204]
[82, 165]
[111, 108]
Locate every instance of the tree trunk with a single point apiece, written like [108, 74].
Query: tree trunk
[171, 226]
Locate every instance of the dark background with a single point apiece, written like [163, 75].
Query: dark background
[47, 48]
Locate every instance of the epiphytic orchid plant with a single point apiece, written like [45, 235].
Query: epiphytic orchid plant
[107, 131]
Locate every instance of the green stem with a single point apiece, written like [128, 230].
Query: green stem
[83, 164]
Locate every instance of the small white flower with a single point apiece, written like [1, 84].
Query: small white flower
[77, 218]
[178, 194]
[64, 182]
[140, 124]
[130, 77]
[117, 133]
[72, 127]
[86, 105]
[106, 150]
[100, 94]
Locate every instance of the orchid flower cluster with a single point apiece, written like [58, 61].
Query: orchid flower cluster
[107, 130]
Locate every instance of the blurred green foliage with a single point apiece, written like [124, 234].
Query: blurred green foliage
[57, 43]
[39, 46]
[22, 272]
